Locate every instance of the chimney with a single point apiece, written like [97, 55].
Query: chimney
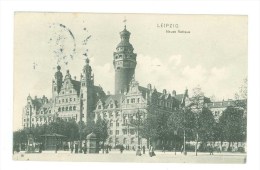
[149, 86]
[164, 91]
[174, 93]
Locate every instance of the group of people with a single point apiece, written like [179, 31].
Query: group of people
[151, 151]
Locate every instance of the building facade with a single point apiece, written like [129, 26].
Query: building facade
[81, 100]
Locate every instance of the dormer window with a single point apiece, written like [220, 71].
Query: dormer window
[99, 106]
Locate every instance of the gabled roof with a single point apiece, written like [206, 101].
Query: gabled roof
[144, 91]
[179, 97]
[117, 98]
[76, 84]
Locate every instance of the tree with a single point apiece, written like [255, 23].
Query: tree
[206, 126]
[154, 126]
[230, 122]
[197, 104]
[101, 130]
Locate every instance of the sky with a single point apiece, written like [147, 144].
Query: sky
[211, 54]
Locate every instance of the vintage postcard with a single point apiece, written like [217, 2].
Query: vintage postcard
[101, 87]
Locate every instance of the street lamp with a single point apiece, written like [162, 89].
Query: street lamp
[175, 135]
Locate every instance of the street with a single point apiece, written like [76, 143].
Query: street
[129, 156]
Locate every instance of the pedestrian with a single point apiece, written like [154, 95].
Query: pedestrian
[138, 151]
[151, 151]
[40, 148]
[85, 148]
[133, 148]
[71, 147]
[143, 149]
[76, 148]
[107, 147]
[181, 148]
[163, 149]
[56, 148]
[121, 149]
[211, 149]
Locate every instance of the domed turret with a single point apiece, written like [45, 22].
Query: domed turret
[124, 63]
[58, 78]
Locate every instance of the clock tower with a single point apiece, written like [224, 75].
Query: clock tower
[124, 63]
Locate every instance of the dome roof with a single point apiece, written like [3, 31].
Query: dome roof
[125, 44]
[125, 32]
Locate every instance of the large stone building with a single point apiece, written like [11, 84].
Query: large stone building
[81, 100]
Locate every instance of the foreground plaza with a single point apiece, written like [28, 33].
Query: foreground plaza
[130, 156]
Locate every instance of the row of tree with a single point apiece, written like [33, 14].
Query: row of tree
[196, 122]
[72, 130]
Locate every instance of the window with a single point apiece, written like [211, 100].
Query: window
[124, 141]
[117, 114]
[132, 100]
[99, 106]
[63, 109]
[70, 108]
[59, 101]
[67, 108]
[70, 99]
[117, 123]
[41, 112]
[66, 100]
[83, 115]
[70, 91]
[117, 140]
[132, 131]
[111, 105]
[40, 119]
[111, 132]
[62, 100]
[59, 109]
[32, 119]
[54, 88]
[111, 124]
[132, 140]
[37, 119]
[138, 100]
[74, 99]
[24, 120]
[117, 132]
[74, 107]
[49, 111]
[127, 101]
[124, 131]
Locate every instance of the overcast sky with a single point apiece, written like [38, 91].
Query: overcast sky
[213, 55]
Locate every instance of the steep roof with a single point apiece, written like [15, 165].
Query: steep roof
[76, 84]
[117, 98]
[144, 91]
[179, 97]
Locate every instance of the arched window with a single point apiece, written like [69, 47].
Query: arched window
[67, 108]
[70, 108]
[74, 107]
[59, 109]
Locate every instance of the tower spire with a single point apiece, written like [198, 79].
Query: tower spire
[125, 22]
[124, 62]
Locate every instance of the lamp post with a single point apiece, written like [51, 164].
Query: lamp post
[175, 135]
